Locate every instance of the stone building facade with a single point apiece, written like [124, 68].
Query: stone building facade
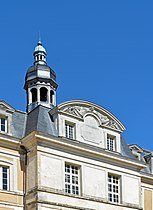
[68, 156]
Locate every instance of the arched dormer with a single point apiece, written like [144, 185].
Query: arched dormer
[79, 108]
[88, 123]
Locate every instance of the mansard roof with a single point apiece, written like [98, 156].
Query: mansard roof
[81, 108]
[41, 119]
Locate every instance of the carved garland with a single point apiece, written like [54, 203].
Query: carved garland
[81, 111]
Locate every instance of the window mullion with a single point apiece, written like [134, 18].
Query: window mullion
[71, 178]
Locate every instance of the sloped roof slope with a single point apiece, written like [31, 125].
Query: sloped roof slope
[39, 119]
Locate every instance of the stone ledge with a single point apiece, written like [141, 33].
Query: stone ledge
[83, 196]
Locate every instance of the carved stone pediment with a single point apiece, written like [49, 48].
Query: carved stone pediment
[136, 148]
[5, 107]
[75, 110]
[82, 108]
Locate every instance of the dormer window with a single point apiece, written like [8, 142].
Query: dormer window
[111, 143]
[69, 130]
[136, 151]
[3, 124]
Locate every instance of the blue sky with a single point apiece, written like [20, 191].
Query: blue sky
[101, 51]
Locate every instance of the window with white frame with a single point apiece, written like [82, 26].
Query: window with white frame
[72, 176]
[113, 188]
[69, 130]
[3, 124]
[111, 143]
[4, 178]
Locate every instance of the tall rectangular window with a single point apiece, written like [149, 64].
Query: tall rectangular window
[4, 178]
[3, 124]
[111, 143]
[69, 131]
[72, 179]
[113, 188]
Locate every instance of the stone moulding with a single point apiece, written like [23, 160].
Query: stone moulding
[80, 109]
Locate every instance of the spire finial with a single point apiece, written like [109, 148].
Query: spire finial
[39, 53]
[39, 38]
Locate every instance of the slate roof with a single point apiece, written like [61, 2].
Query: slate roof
[125, 151]
[18, 124]
[32, 72]
[39, 119]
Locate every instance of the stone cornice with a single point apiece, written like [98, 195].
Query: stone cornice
[37, 138]
[146, 178]
[38, 191]
[9, 142]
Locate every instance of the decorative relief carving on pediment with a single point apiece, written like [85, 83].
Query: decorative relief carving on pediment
[2, 107]
[136, 148]
[80, 111]
[5, 107]
[75, 110]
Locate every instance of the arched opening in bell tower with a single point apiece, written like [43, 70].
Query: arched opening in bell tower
[51, 96]
[34, 94]
[43, 94]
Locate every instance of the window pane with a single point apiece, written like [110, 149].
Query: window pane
[5, 181]
[67, 188]
[4, 187]
[5, 175]
[67, 178]
[74, 180]
[4, 170]
[109, 187]
[110, 197]
[67, 168]
[2, 121]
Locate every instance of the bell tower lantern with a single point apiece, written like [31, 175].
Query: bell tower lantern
[40, 81]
